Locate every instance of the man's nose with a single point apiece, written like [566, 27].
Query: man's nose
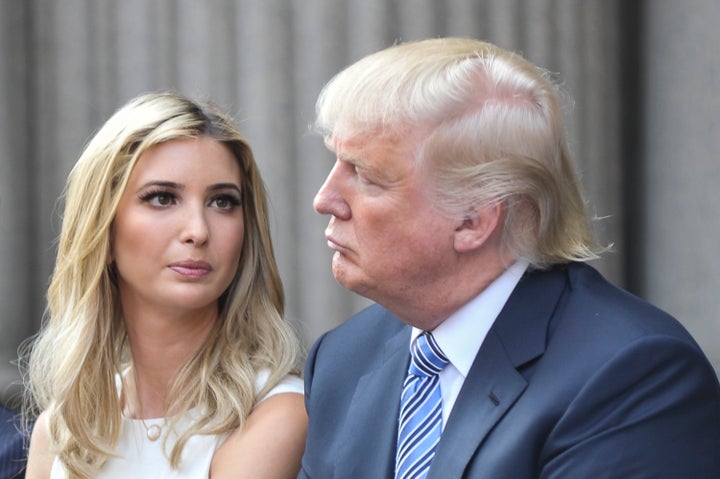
[329, 200]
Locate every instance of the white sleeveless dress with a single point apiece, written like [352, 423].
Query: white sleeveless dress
[140, 458]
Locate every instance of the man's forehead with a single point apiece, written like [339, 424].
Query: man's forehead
[353, 151]
[386, 158]
[346, 142]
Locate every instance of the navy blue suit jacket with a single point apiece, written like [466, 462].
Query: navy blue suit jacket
[12, 448]
[576, 379]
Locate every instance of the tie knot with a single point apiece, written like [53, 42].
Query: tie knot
[427, 359]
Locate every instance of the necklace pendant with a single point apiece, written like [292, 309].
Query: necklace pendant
[154, 432]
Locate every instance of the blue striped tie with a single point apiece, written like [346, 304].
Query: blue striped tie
[420, 422]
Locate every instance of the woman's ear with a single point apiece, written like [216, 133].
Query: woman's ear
[478, 226]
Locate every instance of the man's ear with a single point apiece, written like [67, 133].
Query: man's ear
[478, 226]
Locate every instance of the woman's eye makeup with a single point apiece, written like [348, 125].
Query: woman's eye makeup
[164, 198]
[158, 198]
[226, 202]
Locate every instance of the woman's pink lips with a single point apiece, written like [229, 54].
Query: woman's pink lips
[191, 268]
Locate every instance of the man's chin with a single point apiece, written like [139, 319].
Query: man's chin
[348, 277]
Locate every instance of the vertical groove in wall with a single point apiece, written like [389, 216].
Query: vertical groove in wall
[631, 134]
[34, 300]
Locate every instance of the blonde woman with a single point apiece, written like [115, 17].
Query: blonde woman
[164, 349]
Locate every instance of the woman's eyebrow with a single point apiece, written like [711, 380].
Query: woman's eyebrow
[165, 184]
[224, 186]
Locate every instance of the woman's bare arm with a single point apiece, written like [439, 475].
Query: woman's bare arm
[269, 446]
[40, 459]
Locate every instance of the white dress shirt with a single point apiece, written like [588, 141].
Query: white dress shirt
[462, 333]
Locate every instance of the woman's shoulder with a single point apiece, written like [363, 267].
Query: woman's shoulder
[289, 384]
[272, 440]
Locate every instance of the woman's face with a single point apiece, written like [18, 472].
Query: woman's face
[178, 232]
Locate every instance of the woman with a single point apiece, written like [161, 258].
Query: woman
[164, 349]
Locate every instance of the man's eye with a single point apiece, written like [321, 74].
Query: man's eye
[362, 176]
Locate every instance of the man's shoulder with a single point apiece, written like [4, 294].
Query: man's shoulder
[361, 336]
[373, 321]
[576, 301]
[605, 318]
[592, 292]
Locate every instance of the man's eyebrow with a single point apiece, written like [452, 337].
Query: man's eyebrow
[355, 160]
[360, 162]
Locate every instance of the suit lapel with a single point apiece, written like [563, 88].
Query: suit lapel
[491, 387]
[494, 383]
[371, 423]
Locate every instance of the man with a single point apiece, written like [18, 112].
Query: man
[454, 206]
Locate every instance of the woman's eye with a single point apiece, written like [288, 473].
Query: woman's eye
[158, 198]
[225, 202]
[163, 199]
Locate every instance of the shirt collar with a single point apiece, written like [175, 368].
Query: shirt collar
[463, 332]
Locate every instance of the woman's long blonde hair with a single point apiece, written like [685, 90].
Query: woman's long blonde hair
[82, 346]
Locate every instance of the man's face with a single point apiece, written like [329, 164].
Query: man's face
[391, 244]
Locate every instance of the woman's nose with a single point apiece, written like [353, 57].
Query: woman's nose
[195, 229]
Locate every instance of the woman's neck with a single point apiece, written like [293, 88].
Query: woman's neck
[160, 345]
